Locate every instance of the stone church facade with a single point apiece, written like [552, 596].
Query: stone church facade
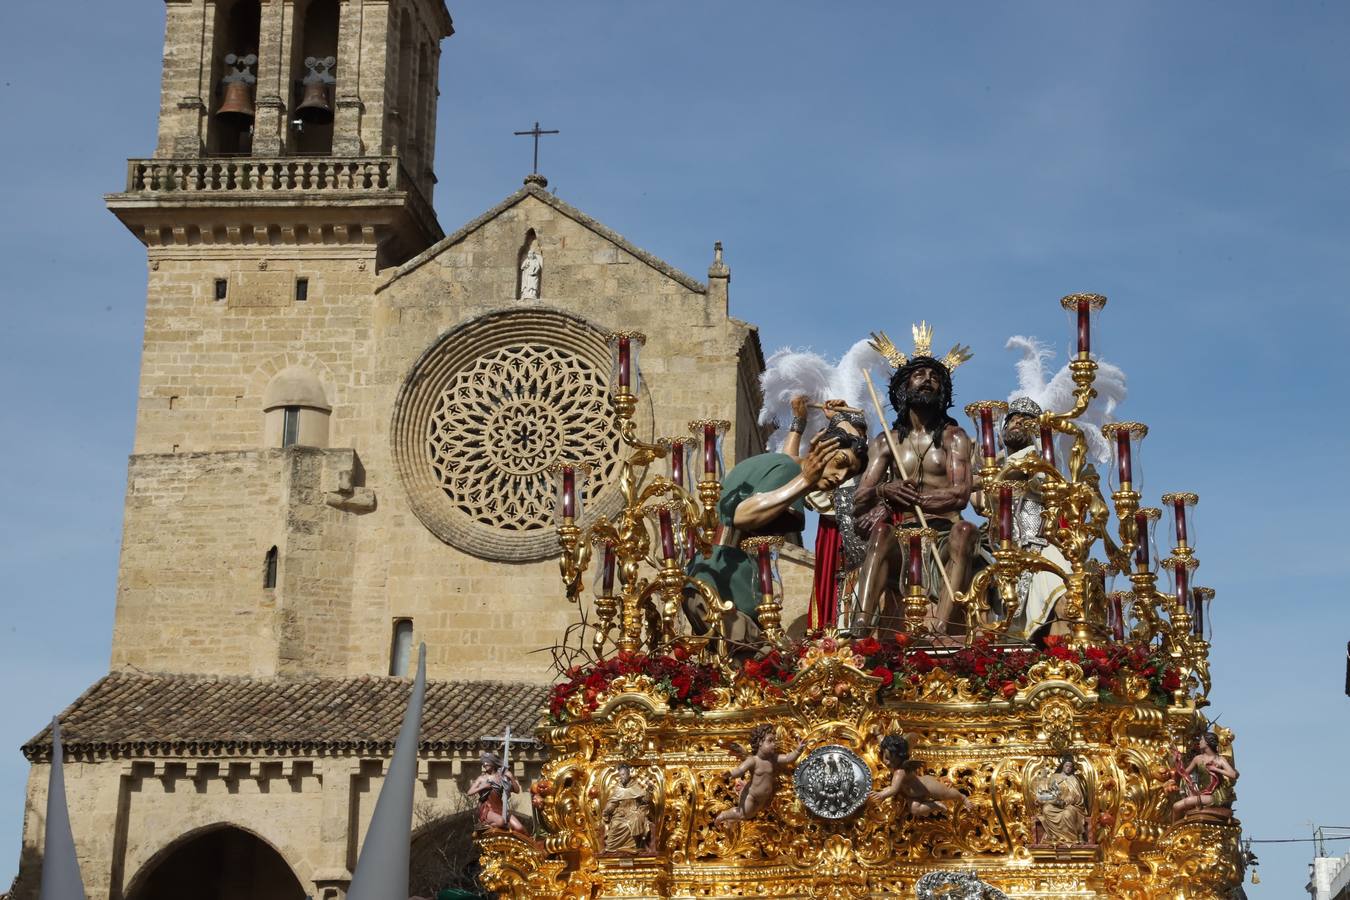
[343, 420]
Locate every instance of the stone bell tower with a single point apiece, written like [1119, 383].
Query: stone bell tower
[278, 115]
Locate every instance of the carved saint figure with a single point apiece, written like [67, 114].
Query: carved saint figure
[530, 269]
[921, 795]
[764, 496]
[760, 769]
[1038, 592]
[935, 452]
[627, 815]
[487, 790]
[1206, 782]
[1063, 803]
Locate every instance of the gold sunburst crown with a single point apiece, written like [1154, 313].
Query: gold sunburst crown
[923, 346]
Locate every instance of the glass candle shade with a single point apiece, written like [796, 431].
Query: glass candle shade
[1116, 604]
[1146, 547]
[668, 519]
[1180, 574]
[624, 348]
[1047, 443]
[606, 573]
[1201, 598]
[681, 452]
[569, 486]
[1083, 311]
[764, 551]
[913, 540]
[710, 434]
[1125, 439]
[1179, 508]
[987, 417]
[1003, 511]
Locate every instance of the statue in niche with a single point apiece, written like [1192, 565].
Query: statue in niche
[1062, 801]
[627, 815]
[531, 267]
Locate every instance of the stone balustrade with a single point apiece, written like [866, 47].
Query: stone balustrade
[254, 175]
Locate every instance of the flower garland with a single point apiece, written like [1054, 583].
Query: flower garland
[992, 672]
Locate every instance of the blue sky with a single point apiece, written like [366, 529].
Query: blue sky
[866, 165]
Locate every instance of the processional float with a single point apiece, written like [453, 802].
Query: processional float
[849, 764]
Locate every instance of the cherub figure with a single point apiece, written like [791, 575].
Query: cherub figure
[924, 795]
[1206, 782]
[762, 767]
[487, 790]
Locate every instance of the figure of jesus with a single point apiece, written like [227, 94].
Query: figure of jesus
[935, 453]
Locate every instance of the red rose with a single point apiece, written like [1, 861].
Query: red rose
[1054, 640]
[868, 646]
[680, 652]
[902, 640]
[1171, 681]
[683, 684]
[884, 674]
[1008, 689]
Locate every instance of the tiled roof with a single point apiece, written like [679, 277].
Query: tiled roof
[132, 713]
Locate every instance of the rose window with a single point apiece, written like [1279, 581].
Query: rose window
[501, 422]
[486, 410]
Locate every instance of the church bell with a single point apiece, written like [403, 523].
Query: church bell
[315, 107]
[316, 104]
[237, 106]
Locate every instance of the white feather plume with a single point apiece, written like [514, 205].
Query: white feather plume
[790, 372]
[1055, 394]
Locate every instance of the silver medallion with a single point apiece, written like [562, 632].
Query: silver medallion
[832, 782]
[955, 886]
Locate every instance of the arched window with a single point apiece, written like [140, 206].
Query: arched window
[237, 33]
[317, 40]
[270, 569]
[295, 410]
[400, 649]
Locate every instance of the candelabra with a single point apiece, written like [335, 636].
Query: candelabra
[664, 521]
[1076, 520]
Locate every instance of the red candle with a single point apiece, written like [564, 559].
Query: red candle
[1183, 584]
[625, 359]
[1005, 514]
[1084, 327]
[569, 498]
[1117, 618]
[710, 451]
[667, 534]
[607, 573]
[1048, 444]
[1141, 549]
[765, 570]
[916, 560]
[987, 432]
[677, 462]
[1124, 465]
[1179, 507]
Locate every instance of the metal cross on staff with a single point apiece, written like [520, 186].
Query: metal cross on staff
[536, 132]
[507, 740]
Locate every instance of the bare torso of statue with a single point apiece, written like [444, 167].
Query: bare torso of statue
[933, 476]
